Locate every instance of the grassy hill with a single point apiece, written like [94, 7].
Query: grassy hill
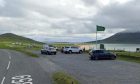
[127, 37]
[123, 37]
[9, 37]
[19, 43]
[9, 40]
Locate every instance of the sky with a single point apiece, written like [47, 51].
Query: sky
[68, 20]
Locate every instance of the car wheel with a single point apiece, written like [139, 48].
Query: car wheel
[42, 52]
[113, 58]
[54, 53]
[91, 58]
[47, 53]
[70, 52]
[95, 58]
[80, 52]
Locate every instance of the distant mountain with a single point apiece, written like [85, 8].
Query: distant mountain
[123, 37]
[10, 37]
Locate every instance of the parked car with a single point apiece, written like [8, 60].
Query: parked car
[49, 50]
[56, 48]
[101, 54]
[72, 49]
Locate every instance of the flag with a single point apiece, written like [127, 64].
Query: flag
[100, 28]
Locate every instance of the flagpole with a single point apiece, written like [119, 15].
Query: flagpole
[96, 38]
[98, 28]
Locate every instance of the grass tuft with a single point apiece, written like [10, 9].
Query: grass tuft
[63, 78]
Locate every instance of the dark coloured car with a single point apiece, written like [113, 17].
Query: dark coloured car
[101, 54]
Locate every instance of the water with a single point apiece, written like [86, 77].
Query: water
[126, 47]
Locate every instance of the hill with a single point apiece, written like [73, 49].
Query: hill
[10, 37]
[123, 37]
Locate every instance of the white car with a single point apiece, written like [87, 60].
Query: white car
[72, 49]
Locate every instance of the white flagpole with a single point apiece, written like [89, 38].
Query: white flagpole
[96, 38]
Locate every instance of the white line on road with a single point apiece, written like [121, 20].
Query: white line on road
[3, 80]
[8, 65]
[9, 57]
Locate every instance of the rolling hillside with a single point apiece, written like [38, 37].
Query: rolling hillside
[9, 37]
[123, 37]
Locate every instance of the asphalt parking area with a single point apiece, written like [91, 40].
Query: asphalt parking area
[97, 72]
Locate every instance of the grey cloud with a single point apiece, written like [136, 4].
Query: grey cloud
[114, 17]
[120, 16]
[12, 8]
[90, 2]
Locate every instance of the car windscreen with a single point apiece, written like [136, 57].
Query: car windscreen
[75, 47]
[98, 51]
[51, 46]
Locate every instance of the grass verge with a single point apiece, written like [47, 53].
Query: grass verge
[20, 49]
[128, 59]
[27, 52]
[63, 78]
[129, 56]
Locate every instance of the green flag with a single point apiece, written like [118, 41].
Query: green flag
[100, 28]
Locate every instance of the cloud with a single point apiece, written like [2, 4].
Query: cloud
[120, 16]
[63, 20]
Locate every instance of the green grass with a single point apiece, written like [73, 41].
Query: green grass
[133, 54]
[21, 48]
[128, 59]
[19, 43]
[59, 45]
[27, 52]
[9, 37]
[63, 78]
[128, 56]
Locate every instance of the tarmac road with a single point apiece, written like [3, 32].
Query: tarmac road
[17, 68]
[94, 72]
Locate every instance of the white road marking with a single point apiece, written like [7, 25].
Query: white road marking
[10, 57]
[8, 65]
[3, 80]
[22, 79]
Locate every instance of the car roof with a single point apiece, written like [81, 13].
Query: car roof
[100, 50]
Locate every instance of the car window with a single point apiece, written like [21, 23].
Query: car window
[98, 51]
[75, 47]
[106, 51]
[50, 45]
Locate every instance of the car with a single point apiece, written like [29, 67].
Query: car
[101, 54]
[49, 50]
[72, 49]
[56, 48]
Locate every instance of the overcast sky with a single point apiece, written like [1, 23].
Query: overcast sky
[68, 20]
